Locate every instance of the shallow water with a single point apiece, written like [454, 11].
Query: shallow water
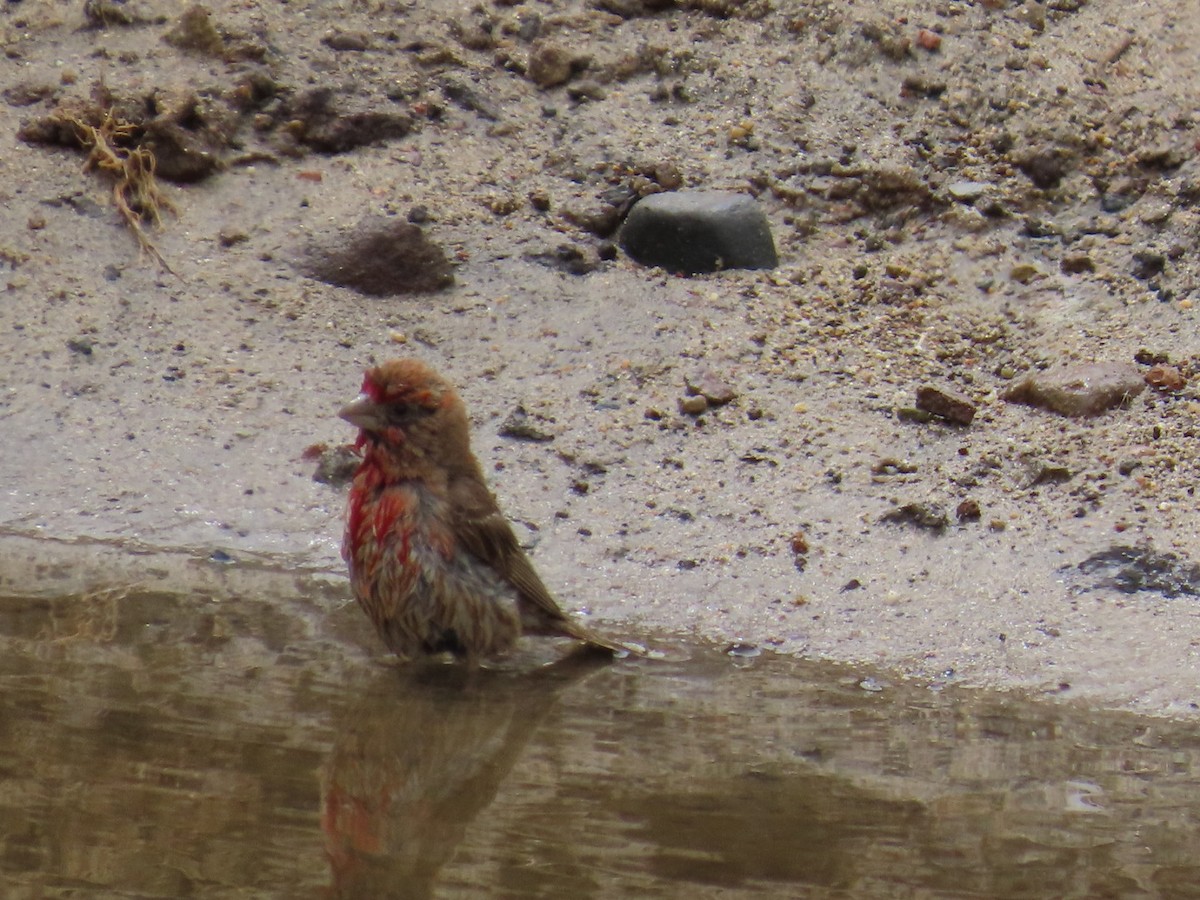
[163, 745]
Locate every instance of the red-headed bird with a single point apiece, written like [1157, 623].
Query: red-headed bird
[432, 560]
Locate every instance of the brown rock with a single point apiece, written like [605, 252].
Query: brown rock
[949, 405]
[707, 385]
[1165, 378]
[968, 511]
[1083, 389]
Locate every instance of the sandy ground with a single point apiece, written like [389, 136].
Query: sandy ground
[960, 193]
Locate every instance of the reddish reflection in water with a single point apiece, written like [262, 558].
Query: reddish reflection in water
[163, 745]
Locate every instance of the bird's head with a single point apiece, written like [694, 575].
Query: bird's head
[407, 407]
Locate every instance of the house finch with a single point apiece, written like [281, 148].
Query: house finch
[433, 561]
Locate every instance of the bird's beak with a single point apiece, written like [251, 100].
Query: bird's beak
[363, 412]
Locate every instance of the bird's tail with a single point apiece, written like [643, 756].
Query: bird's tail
[572, 629]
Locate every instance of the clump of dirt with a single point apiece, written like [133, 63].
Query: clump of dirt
[118, 148]
[320, 119]
[381, 259]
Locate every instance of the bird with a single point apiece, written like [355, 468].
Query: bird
[433, 561]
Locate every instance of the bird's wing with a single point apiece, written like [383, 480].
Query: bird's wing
[486, 534]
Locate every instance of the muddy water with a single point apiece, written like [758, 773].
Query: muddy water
[163, 745]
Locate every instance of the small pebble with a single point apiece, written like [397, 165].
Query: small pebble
[1166, 378]
[1083, 389]
[967, 191]
[968, 511]
[709, 386]
[929, 40]
[949, 405]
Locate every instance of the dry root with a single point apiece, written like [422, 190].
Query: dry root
[136, 193]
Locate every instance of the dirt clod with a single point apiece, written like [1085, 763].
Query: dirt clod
[381, 258]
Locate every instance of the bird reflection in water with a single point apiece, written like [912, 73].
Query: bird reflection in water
[418, 759]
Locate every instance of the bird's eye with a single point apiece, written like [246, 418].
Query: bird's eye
[403, 413]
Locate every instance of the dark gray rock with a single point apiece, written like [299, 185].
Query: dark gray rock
[699, 231]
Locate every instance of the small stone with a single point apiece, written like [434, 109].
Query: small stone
[799, 543]
[949, 405]
[706, 384]
[1023, 273]
[1155, 213]
[599, 215]
[967, 191]
[1166, 378]
[1078, 390]
[968, 511]
[699, 231]
[921, 86]
[693, 405]
[929, 40]
[890, 467]
[352, 41]
[585, 90]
